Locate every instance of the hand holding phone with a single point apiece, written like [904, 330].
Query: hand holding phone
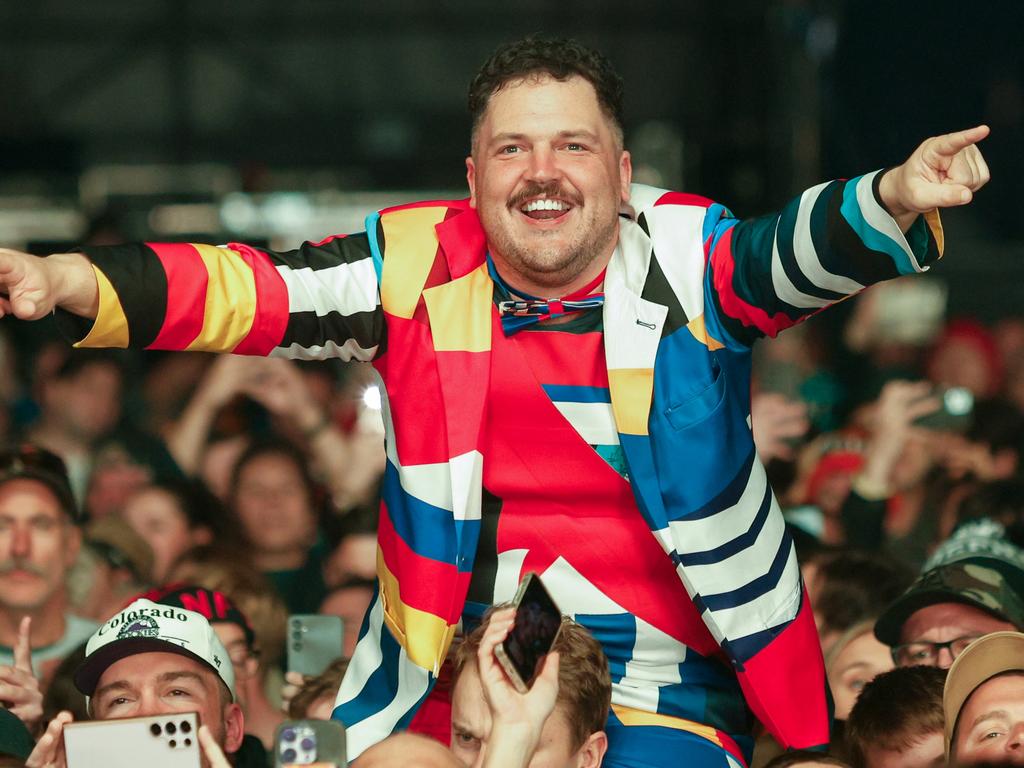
[537, 624]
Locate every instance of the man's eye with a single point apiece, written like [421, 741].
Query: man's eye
[511, 149]
[991, 735]
[465, 739]
[179, 692]
[118, 701]
[574, 147]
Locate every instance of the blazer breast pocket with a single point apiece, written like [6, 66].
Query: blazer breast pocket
[699, 407]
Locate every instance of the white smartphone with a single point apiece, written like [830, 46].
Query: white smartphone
[159, 741]
[309, 743]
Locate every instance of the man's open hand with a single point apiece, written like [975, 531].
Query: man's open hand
[943, 172]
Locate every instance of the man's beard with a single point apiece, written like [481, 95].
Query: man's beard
[552, 264]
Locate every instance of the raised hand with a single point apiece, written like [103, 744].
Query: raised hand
[19, 688]
[943, 172]
[516, 718]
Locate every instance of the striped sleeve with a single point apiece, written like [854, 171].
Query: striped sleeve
[769, 273]
[319, 301]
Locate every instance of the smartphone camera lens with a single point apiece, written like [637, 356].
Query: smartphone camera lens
[172, 743]
[155, 729]
[288, 755]
[186, 726]
[171, 728]
[308, 744]
[288, 735]
[188, 742]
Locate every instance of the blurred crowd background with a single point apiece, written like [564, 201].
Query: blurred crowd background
[886, 423]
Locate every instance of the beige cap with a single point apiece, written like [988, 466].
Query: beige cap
[982, 660]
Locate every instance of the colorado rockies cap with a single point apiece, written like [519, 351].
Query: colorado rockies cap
[148, 627]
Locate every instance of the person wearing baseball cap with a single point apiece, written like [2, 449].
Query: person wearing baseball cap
[973, 585]
[152, 659]
[239, 639]
[983, 701]
[39, 541]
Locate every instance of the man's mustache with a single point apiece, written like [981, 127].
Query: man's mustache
[7, 566]
[550, 190]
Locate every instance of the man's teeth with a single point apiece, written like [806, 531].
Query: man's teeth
[545, 205]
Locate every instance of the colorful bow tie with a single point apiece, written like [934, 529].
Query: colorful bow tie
[525, 310]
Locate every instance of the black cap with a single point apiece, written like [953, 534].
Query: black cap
[30, 462]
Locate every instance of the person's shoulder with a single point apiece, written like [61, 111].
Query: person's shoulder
[455, 206]
[643, 198]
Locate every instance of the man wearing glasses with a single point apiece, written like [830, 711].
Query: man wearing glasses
[949, 607]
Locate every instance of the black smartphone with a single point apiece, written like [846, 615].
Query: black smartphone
[537, 624]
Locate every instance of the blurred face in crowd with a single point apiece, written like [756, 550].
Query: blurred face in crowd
[243, 661]
[941, 623]
[158, 518]
[350, 603]
[37, 545]
[159, 683]
[88, 403]
[926, 752]
[471, 730]
[274, 505]
[547, 177]
[855, 666]
[990, 728]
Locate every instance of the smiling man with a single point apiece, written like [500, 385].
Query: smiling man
[566, 359]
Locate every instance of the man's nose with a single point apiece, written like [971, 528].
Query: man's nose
[544, 164]
[21, 542]
[944, 658]
[1015, 743]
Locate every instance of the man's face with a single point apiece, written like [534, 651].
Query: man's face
[547, 177]
[166, 683]
[927, 752]
[471, 730]
[37, 545]
[944, 622]
[991, 723]
[243, 661]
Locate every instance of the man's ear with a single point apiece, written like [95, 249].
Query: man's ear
[592, 752]
[471, 181]
[234, 728]
[625, 175]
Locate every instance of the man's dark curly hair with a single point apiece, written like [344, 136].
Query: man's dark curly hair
[559, 58]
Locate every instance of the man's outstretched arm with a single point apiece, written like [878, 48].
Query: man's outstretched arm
[321, 300]
[31, 286]
[768, 273]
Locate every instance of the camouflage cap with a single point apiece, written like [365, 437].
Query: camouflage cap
[964, 581]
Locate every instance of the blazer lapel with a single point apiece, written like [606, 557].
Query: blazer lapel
[633, 328]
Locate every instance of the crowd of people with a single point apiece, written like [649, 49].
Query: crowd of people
[149, 498]
[226, 504]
